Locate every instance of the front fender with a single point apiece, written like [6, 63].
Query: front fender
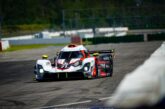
[46, 65]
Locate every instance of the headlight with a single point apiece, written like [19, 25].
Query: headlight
[77, 63]
[86, 67]
[41, 71]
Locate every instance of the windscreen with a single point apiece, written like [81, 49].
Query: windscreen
[73, 54]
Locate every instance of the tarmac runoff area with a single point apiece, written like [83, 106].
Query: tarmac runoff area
[19, 90]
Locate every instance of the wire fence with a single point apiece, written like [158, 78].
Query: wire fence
[137, 17]
[145, 17]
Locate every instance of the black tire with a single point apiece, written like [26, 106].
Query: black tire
[111, 67]
[40, 77]
[97, 71]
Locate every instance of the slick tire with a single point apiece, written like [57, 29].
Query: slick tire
[111, 68]
[39, 78]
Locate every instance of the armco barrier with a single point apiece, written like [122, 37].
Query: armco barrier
[130, 38]
[95, 40]
[0, 46]
[152, 37]
[59, 40]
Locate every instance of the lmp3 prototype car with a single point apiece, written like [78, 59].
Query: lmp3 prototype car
[75, 61]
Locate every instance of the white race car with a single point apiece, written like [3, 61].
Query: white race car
[75, 61]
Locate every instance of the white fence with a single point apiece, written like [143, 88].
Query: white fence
[58, 40]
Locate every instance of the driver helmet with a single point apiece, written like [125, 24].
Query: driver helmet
[44, 56]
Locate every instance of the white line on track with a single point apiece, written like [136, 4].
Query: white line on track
[67, 104]
[73, 103]
[105, 98]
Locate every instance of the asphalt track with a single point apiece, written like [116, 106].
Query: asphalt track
[18, 89]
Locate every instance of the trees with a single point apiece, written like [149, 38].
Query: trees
[85, 12]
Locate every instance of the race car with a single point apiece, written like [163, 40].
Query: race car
[75, 61]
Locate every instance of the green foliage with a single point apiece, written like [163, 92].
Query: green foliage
[10, 30]
[47, 14]
[33, 26]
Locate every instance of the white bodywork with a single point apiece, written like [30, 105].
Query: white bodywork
[74, 69]
[77, 48]
[86, 66]
[46, 64]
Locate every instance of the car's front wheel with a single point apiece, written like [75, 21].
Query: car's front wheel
[39, 72]
[39, 77]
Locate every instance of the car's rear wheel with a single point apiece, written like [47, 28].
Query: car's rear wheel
[97, 69]
[111, 67]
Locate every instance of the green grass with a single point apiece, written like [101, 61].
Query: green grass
[33, 46]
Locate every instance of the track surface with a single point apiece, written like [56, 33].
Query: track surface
[19, 90]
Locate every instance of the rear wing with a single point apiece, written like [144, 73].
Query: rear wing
[112, 52]
[102, 51]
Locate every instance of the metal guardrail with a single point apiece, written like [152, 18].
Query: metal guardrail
[59, 40]
[145, 31]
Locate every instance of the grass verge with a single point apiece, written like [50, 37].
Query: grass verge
[33, 46]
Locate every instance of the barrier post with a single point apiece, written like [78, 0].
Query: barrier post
[145, 37]
[0, 45]
[0, 34]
